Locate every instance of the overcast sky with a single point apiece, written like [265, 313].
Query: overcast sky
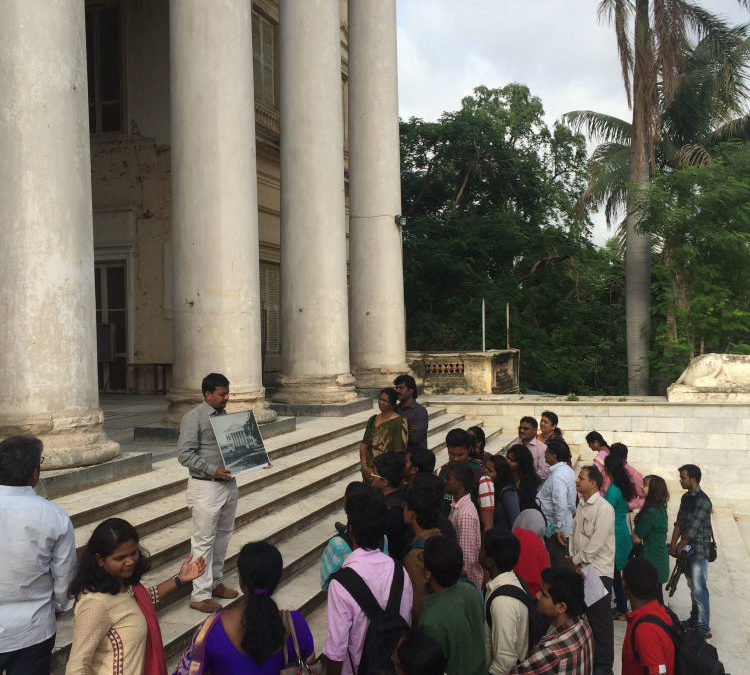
[557, 48]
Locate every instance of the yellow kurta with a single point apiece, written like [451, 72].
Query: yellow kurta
[109, 637]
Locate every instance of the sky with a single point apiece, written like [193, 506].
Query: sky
[558, 48]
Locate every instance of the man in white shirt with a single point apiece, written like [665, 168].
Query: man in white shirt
[39, 561]
[592, 540]
[506, 626]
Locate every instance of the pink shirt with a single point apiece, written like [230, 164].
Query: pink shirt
[465, 521]
[347, 623]
[636, 478]
[537, 449]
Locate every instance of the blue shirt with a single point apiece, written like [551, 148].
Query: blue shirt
[557, 497]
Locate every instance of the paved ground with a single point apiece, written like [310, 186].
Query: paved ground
[730, 592]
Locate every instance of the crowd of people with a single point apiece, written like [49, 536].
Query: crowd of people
[501, 563]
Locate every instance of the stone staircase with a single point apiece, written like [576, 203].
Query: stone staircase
[293, 505]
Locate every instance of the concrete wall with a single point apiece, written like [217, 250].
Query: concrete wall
[660, 436]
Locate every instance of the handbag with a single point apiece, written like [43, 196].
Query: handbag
[294, 664]
[712, 548]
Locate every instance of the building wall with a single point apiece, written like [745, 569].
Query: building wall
[660, 436]
[131, 184]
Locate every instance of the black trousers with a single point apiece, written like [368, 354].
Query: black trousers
[33, 660]
[603, 628]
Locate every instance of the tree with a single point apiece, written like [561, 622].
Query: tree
[490, 193]
[651, 57]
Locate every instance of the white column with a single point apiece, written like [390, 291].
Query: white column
[378, 344]
[314, 311]
[48, 327]
[215, 205]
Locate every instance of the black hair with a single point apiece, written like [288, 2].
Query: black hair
[552, 417]
[367, 515]
[106, 538]
[615, 467]
[426, 508]
[657, 497]
[420, 653]
[443, 559]
[408, 380]
[392, 395]
[19, 457]
[642, 579]
[619, 450]
[259, 566]
[503, 472]
[458, 438]
[530, 420]
[560, 449]
[592, 436]
[528, 480]
[390, 465]
[692, 471]
[212, 381]
[355, 485]
[565, 585]
[480, 439]
[430, 482]
[594, 474]
[503, 547]
[463, 472]
[422, 458]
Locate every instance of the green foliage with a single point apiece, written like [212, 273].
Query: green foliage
[701, 217]
[491, 195]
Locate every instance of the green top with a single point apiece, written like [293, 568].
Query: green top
[455, 618]
[623, 542]
[389, 436]
[652, 527]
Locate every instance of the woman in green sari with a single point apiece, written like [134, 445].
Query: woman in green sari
[385, 432]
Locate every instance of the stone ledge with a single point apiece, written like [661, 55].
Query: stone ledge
[58, 483]
[161, 433]
[323, 409]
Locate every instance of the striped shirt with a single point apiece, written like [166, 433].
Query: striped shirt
[465, 520]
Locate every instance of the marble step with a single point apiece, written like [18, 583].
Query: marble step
[168, 477]
[299, 524]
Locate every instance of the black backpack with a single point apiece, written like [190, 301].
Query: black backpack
[692, 654]
[538, 624]
[386, 625]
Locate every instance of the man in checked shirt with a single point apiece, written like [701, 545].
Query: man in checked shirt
[693, 527]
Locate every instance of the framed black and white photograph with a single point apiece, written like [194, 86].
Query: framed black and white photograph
[240, 442]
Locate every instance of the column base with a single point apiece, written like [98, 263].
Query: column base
[315, 390]
[379, 377]
[181, 402]
[71, 438]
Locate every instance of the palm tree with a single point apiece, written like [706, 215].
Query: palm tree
[651, 60]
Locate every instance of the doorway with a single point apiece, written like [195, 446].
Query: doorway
[110, 280]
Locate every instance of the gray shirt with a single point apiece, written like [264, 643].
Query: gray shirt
[198, 449]
[416, 421]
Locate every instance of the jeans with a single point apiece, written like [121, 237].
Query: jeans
[34, 660]
[697, 577]
[621, 602]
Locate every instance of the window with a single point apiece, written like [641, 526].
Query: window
[270, 275]
[104, 65]
[263, 53]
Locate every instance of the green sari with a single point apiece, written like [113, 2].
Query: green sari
[390, 436]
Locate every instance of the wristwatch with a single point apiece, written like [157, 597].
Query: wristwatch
[177, 581]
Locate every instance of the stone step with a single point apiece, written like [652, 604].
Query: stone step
[168, 477]
[295, 512]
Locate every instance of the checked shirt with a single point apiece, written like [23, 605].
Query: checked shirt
[694, 518]
[567, 650]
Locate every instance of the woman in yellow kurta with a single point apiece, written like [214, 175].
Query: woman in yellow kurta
[385, 432]
[116, 630]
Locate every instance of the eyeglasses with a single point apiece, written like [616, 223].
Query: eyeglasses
[524, 428]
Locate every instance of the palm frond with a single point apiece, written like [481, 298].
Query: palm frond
[618, 12]
[692, 154]
[599, 127]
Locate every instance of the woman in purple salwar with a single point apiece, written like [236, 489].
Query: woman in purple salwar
[252, 637]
